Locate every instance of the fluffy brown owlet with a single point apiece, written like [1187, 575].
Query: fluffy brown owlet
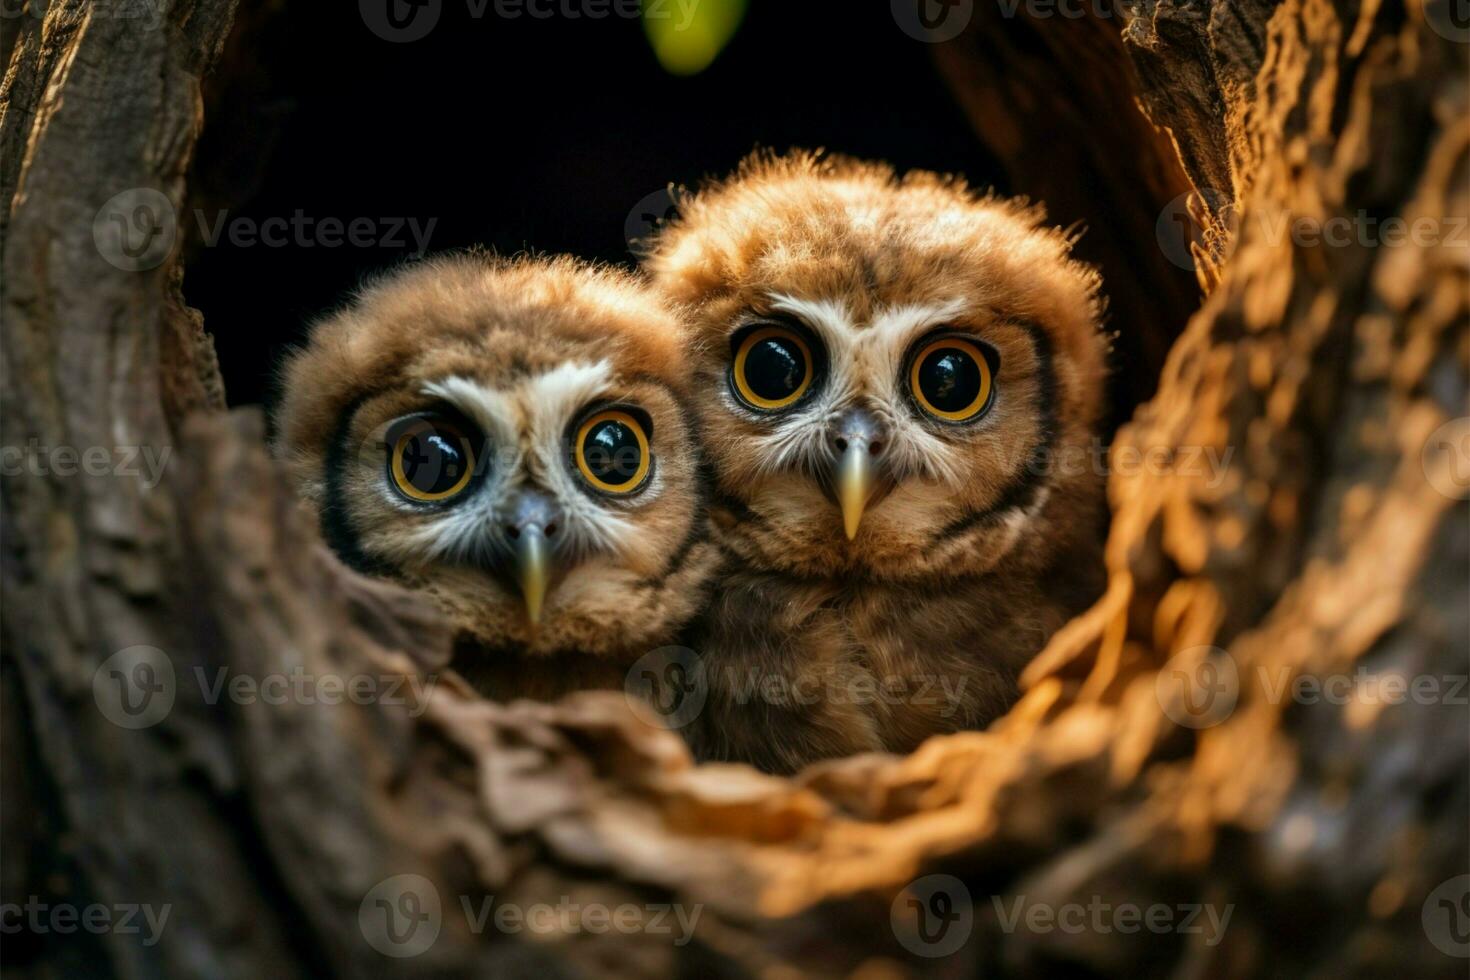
[897, 383]
[512, 439]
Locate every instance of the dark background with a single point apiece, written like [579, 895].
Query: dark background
[517, 134]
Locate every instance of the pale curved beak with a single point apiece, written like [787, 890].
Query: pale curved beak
[854, 485]
[859, 438]
[531, 517]
[533, 569]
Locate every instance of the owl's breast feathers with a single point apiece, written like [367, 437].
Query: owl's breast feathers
[800, 670]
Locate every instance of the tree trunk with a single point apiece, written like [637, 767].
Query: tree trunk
[1287, 507]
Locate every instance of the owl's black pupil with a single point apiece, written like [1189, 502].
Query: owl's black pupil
[774, 368]
[949, 379]
[433, 461]
[612, 452]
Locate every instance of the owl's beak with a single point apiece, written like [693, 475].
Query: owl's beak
[531, 519]
[533, 570]
[854, 486]
[858, 439]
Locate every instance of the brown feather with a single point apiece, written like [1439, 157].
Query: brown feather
[509, 332]
[988, 538]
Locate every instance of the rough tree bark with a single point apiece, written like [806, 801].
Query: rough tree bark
[1335, 541]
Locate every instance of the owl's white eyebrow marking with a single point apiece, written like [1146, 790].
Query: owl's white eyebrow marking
[554, 395]
[892, 328]
[488, 408]
[567, 388]
[895, 327]
[829, 318]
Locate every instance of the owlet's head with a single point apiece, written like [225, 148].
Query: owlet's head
[511, 438]
[888, 370]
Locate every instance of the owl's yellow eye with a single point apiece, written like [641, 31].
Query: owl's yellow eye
[612, 451]
[773, 368]
[951, 379]
[430, 459]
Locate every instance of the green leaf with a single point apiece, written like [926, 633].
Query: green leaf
[687, 35]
